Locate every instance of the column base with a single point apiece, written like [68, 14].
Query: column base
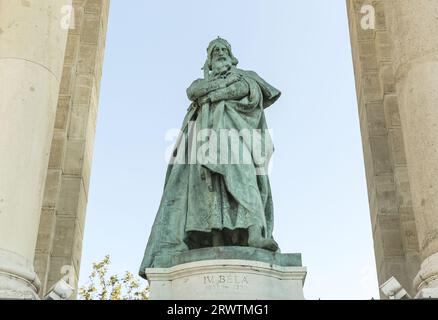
[18, 281]
[227, 279]
[428, 293]
[426, 280]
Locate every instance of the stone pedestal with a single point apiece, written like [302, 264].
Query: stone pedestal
[229, 273]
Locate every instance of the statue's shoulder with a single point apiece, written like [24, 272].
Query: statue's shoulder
[252, 75]
[270, 93]
[248, 73]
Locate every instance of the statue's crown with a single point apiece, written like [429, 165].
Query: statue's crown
[217, 41]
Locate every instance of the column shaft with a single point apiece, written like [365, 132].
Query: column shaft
[413, 26]
[33, 37]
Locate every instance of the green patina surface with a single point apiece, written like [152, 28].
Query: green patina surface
[209, 203]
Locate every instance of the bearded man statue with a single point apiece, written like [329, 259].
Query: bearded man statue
[223, 196]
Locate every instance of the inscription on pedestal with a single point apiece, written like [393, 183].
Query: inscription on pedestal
[225, 281]
[230, 279]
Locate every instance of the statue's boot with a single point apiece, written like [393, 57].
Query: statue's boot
[256, 240]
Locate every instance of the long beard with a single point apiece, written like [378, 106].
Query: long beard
[221, 67]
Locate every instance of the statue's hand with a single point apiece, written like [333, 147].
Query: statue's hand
[232, 78]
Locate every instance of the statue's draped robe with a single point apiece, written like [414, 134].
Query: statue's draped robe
[235, 197]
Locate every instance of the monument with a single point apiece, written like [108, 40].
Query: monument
[212, 236]
[50, 100]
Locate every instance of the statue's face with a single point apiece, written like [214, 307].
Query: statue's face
[220, 57]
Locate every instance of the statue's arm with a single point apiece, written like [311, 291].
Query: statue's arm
[236, 91]
[203, 87]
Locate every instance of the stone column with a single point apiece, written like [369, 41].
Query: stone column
[413, 27]
[33, 37]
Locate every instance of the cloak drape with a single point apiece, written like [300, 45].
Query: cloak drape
[237, 195]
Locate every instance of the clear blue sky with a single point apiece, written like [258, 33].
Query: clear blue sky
[156, 48]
